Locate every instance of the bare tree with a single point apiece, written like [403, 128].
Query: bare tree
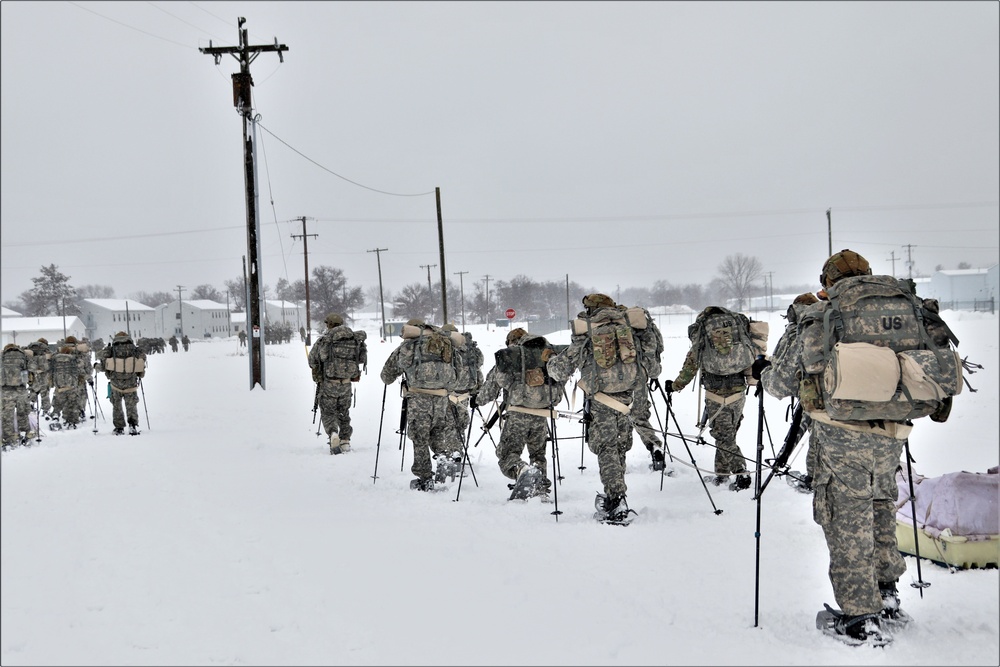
[737, 274]
[152, 299]
[95, 292]
[208, 293]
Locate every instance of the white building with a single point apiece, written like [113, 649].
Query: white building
[277, 311]
[103, 318]
[962, 289]
[53, 328]
[198, 318]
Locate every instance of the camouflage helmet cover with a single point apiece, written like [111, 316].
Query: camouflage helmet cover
[334, 320]
[43, 340]
[449, 327]
[415, 322]
[515, 335]
[844, 264]
[598, 300]
[71, 340]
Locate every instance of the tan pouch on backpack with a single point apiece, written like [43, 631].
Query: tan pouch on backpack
[928, 380]
[861, 372]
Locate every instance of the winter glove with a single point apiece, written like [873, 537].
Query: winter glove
[90, 381]
[759, 364]
[654, 384]
[668, 386]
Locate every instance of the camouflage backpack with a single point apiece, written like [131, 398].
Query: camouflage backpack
[344, 352]
[722, 341]
[40, 355]
[15, 366]
[524, 374]
[432, 359]
[611, 365]
[65, 370]
[469, 369]
[123, 357]
[869, 354]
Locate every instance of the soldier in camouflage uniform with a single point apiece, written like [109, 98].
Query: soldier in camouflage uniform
[67, 378]
[40, 378]
[527, 416]
[335, 377]
[853, 467]
[77, 397]
[725, 397]
[651, 339]
[430, 421]
[610, 424]
[470, 379]
[16, 409]
[120, 362]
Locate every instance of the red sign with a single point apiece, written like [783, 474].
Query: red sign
[510, 313]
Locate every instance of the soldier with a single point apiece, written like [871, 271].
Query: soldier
[16, 423]
[650, 340]
[426, 360]
[40, 378]
[185, 341]
[467, 383]
[124, 364]
[67, 378]
[173, 342]
[336, 360]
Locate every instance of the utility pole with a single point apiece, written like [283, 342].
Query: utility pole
[487, 277]
[909, 259]
[444, 284]
[461, 287]
[305, 258]
[892, 258]
[569, 320]
[430, 292]
[242, 89]
[770, 290]
[381, 298]
[180, 307]
[829, 234]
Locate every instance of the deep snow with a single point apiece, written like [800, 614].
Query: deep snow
[226, 534]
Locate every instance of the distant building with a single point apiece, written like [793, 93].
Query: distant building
[962, 289]
[238, 322]
[277, 311]
[103, 318]
[7, 312]
[53, 328]
[198, 318]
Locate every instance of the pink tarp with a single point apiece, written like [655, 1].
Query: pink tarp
[963, 503]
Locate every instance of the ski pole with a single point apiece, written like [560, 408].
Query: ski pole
[921, 584]
[144, 406]
[670, 413]
[465, 457]
[95, 408]
[795, 432]
[38, 417]
[402, 429]
[378, 444]
[760, 454]
[555, 463]
[494, 419]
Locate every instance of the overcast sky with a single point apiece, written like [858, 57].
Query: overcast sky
[616, 143]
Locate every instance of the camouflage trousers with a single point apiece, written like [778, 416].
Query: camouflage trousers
[430, 425]
[854, 500]
[724, 422]
[610, 436]
[641, 410]
[16, 413]
[40, 389]
[522, 430]
[130, 397]
[66, 402]
[462, 416]
[335, 408]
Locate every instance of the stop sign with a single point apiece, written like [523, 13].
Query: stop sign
[510, 313]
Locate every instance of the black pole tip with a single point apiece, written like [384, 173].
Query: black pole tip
[718, 512]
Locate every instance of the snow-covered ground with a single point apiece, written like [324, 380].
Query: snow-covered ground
[226, 534]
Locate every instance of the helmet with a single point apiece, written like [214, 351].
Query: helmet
[415, 322]
[121, 334]
[71, 340]
[805, 299]
[334, 320]
[449, 327]
[42, 340]
[598, 300]
[844, 264]
[515, 335]
[10, 346]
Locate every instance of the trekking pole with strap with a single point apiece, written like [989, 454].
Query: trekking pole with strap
[655, 383]
[555, 465]
[586, 431]
[670, 413]
[38, 417]
[144, 406]
[95, 408]
[920, 583]
[780, 464]
[488, 425]
[316, 406]
[496, 416]
[402, 427]
[378, 443]
[759, 393]
[465, 457]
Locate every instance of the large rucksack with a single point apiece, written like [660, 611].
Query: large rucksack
[433, 359]
[65, 370]
[525, 364]
[123, 357]
[723, 342]
[343, 353]
[612, 364]
[39, 361]
[867, 354]
[469, 368]
[15, 367]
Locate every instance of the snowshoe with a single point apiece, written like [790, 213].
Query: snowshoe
[716, 480]
[448, 467]
[799, 481]
[55, 426]
[740, 483]
[529, 482]
[892, 617]
[133, 430]
[852, 630]
[613, 511]
[422, 484]
[335, 447]
[9, 445]
[119, 431]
